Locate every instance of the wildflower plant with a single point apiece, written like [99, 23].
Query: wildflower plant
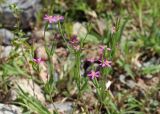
[73, 45]
[98, 77]
[100, 80]
[50, 87]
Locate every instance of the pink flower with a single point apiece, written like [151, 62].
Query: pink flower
[48, 18]
[105, 63]
[38, 60]
[53, 19]
[93, 74]
[103, 47]
[58, 18]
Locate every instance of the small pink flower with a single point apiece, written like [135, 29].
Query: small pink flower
[92, 60]
[38, 60]
[58, 18]
[93, 74]
[48, 18]
[103, 47]
[105, 63]
[53, 19]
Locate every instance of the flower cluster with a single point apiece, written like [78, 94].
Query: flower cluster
[53, 19]
[102, 62]
[74, 42]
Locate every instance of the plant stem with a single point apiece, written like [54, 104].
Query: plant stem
[78, 75]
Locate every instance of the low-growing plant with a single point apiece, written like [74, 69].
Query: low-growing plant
[96, 79]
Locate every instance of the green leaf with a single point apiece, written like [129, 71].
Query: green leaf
[89, 39]
[31, 103]
[128, 70]
[151, 69]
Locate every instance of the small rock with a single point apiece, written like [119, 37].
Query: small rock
[39, 34]
[64, 108]
[148, 76]
[122, 78]
[27, 86]
[79, 29]
[5, 51]
[6, 37]
[142, 85]
[130, 83]
[147, 64]
[43, 74]
[28, 9]
[92, 14]
[89, 99]
[136, 62]
[41, 53]
[101, 26]
[9, 109]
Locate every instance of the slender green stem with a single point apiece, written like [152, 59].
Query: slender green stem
[62, 33]
[78, 75]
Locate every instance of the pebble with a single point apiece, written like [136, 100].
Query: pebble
[27, 86]
[6, 37]
[79, 29]
[5, 51]
[28, 10]
[9, 109]
[64, 108]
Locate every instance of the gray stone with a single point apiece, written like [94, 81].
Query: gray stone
[9, 109]
[6, 36]
[79, 29]
[27, 86]
[148, 76]
[5, 51]
[64, 108]
[28, 9]
[122, 79]
[130, 83]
